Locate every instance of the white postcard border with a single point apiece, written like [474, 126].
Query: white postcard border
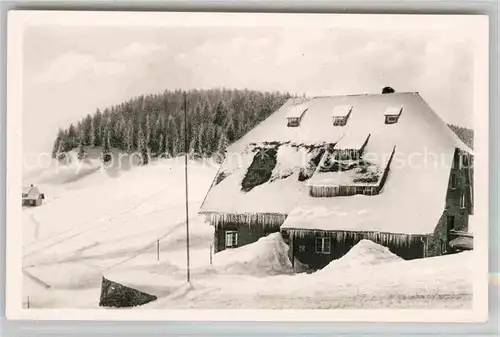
[477, 25]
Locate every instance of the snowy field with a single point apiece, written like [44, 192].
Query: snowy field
[96, 224]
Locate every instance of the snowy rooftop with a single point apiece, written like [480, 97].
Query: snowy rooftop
[351, 141]
[393, 110]
[296, 111]
[30, 192]
[341, 110]
[403, 206]
[462, 242]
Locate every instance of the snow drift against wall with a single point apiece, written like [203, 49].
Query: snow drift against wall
[269, 255]
[364, 253]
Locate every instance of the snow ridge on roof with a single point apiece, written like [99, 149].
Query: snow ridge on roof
[352, 141]
[342, 110]
[393, 111]
[296, 111]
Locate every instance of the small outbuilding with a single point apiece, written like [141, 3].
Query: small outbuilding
[31, 196]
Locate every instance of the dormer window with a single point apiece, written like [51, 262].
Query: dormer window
[295, 115]
[293, 122]
[341, 114]
[392, 114]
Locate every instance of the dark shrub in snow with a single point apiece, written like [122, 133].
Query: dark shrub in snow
[117, 295]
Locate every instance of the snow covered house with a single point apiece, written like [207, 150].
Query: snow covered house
[31, 196]
[405, 183]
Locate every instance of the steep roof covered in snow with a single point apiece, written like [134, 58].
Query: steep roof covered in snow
[393, 110]
[30, 192]
[414, 192]
[341, 110]
[296, 111]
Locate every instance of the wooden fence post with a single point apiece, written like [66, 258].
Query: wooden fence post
[158, 250]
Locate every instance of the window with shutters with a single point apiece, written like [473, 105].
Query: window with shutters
[231, 239]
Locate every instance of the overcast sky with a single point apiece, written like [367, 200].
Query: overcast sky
[70, 71]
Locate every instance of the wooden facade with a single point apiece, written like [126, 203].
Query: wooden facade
[236, 230]
[233, 235]
[452, 224]
[304, 245]
[459, 204]
[32, 202]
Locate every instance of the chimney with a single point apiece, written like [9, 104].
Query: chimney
[388, 90]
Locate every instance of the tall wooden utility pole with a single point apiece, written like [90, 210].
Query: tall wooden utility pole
[186, 181]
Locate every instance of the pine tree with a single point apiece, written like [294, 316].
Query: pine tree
[56, 146]
[156, 134]
[106, 149]
[220, 114]
[71, 137]
[92, 134]
[129, 137]
[222, 147]
[175, 147]
[166, 147]
[142, 147]
[119, 133]
[148, 130]
[201, 139]
[162, 150]
[82, 153]
[230, 130]
[87, 125]
[61, 150]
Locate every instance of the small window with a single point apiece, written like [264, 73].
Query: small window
[231, 239]
[391, 119]
[323, 245]
[293, 122]
[341, 114]
[339, 121]
[451, 222]
[392, 114]
[462, 200]
[453, 180]
[295, 115]
[302, 248]
[368, 191]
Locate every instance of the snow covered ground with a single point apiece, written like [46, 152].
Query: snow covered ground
[96, 224]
